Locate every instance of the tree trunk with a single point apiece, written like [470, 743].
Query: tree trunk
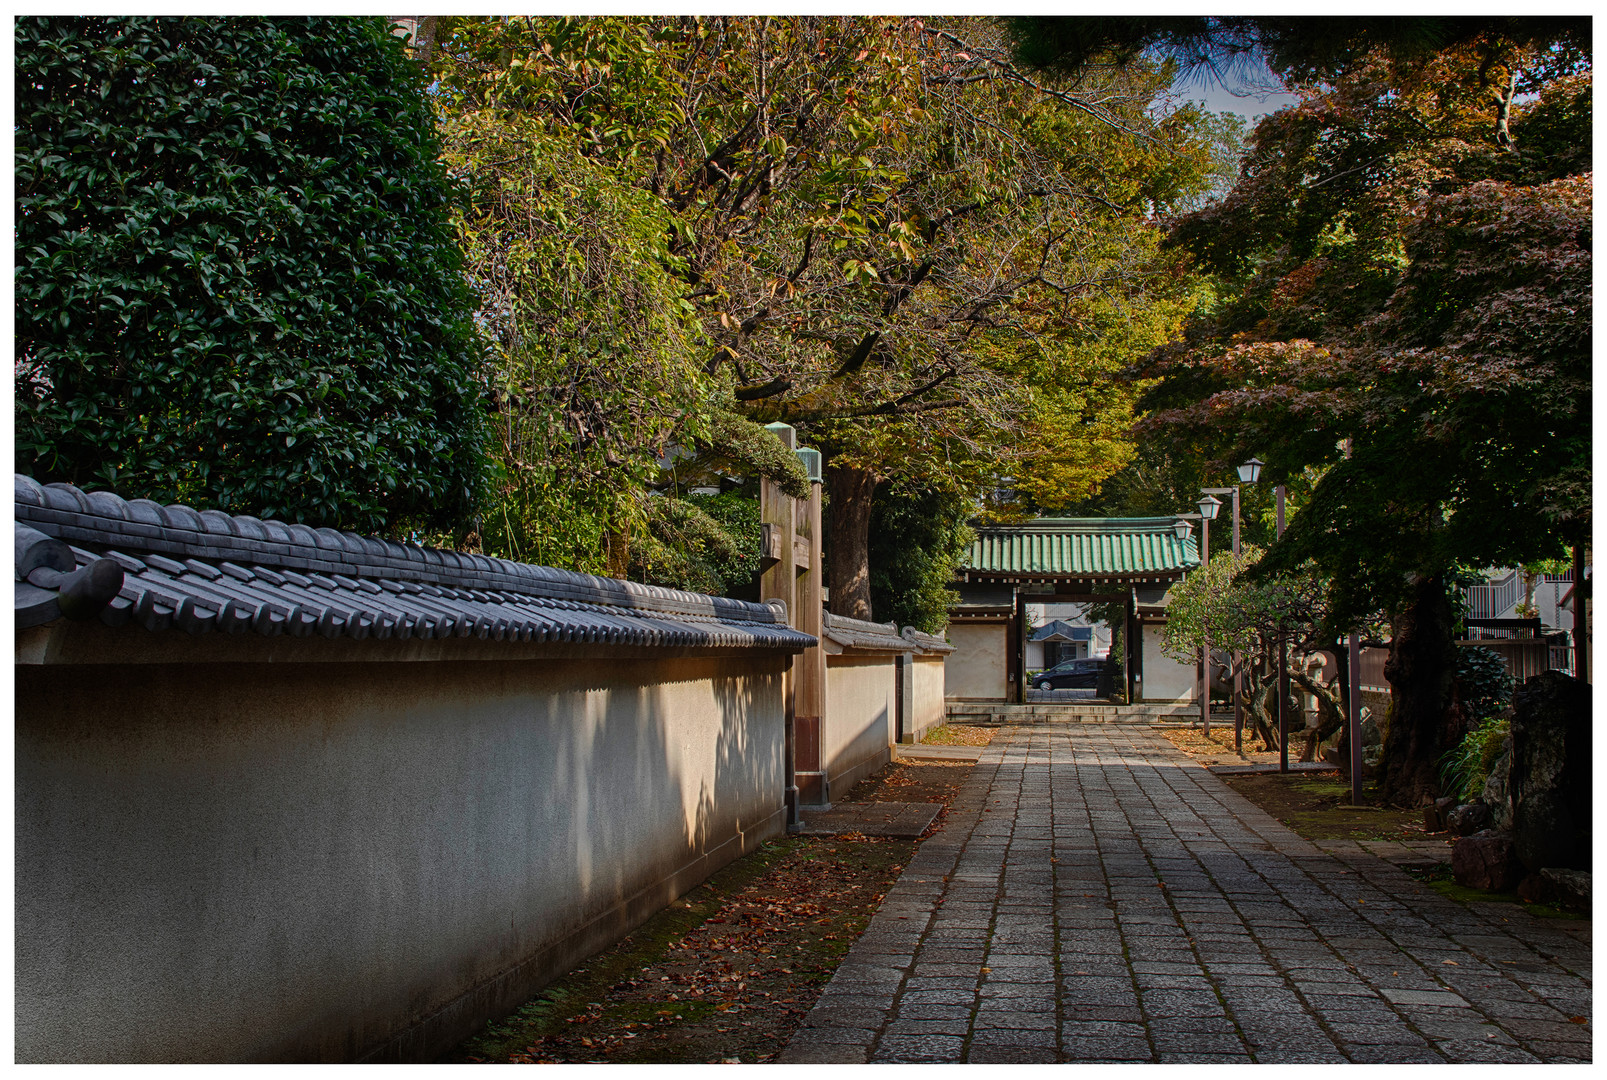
[1421, 669]
[848, 532]
[1330, 714]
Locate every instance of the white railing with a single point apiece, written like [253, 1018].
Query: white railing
[1494, 600]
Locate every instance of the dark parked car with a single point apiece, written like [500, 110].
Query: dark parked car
[1080, 674]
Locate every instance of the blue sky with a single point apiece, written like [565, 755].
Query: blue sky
[1220, 99]
[1251, 89]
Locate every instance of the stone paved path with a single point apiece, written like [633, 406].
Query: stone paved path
[1096, 896]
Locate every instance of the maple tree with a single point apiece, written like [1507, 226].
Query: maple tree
[1405, 284]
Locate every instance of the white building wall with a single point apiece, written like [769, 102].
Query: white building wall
[860, 725]
[1164, 679]
[975, 670]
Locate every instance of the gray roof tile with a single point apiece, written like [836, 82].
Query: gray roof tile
[880, 637]
[205, 571]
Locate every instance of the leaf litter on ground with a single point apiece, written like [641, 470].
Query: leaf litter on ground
[729, 971]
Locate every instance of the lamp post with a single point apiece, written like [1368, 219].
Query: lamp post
[1238, 707]
[1283, 668]
[1249, 473]
[1209, 505]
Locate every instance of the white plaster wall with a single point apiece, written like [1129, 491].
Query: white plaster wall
[1164, 678]
[975, 670]
[270, 862]
[926, 703]
[860, 725]
[1034, 655]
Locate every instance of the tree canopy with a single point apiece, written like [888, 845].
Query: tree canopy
[1403, 298]
[877, 230]
[237, 282]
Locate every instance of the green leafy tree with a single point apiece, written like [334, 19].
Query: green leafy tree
[1260, 616]
[237, 282]
[598, 354]
[879, 225]
[917, 540]
[1406, 298]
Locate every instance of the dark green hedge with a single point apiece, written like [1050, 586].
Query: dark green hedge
[237, 284]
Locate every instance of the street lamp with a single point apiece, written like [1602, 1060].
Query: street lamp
[1209, 505]
[1249, 473]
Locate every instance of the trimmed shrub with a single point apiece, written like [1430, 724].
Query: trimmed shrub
[237, 279]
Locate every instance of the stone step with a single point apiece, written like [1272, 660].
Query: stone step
[988, 713]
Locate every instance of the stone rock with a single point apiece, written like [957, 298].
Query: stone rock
[1550, 780]
[1434, 814]
[1486, 860]
[1495, 794]
[1468, 818]
[1567, 888]
[1532, 888]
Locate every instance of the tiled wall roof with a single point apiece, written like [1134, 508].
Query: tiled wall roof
[202, 571]
[880, 637]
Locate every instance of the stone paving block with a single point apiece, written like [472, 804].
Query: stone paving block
[1181, 1003]
[941, 982]
[837, 1017]
[919, 1048]
[824, 1054]
[1474, 1050]
[922, 1028]
[1010, 1055]
[925, 970]
[1294, 1036]
[1129, 1013]
[997, 1036]
[1015, 1019]
[1200, 1025]
[1394, 1055]
[1173, 982]
[834, 1036]
[855, 1000]
[965, 999]
[1097, 1049]
[1189, 1043]
[1472, 1029]
[1379, 1034]
[1559, 1051]
[907, 1011]
[1311, 1057]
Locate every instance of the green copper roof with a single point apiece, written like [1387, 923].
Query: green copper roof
[1082, 547]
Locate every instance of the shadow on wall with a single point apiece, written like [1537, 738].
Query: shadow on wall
[330, 861]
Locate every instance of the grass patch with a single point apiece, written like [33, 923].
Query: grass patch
[1317, 806]
[1442, 881]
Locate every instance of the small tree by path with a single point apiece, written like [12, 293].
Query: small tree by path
[1244, 614]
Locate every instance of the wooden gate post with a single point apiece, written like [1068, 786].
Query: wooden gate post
[792, 544]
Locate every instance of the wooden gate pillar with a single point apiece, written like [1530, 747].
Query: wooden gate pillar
[792, 532]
